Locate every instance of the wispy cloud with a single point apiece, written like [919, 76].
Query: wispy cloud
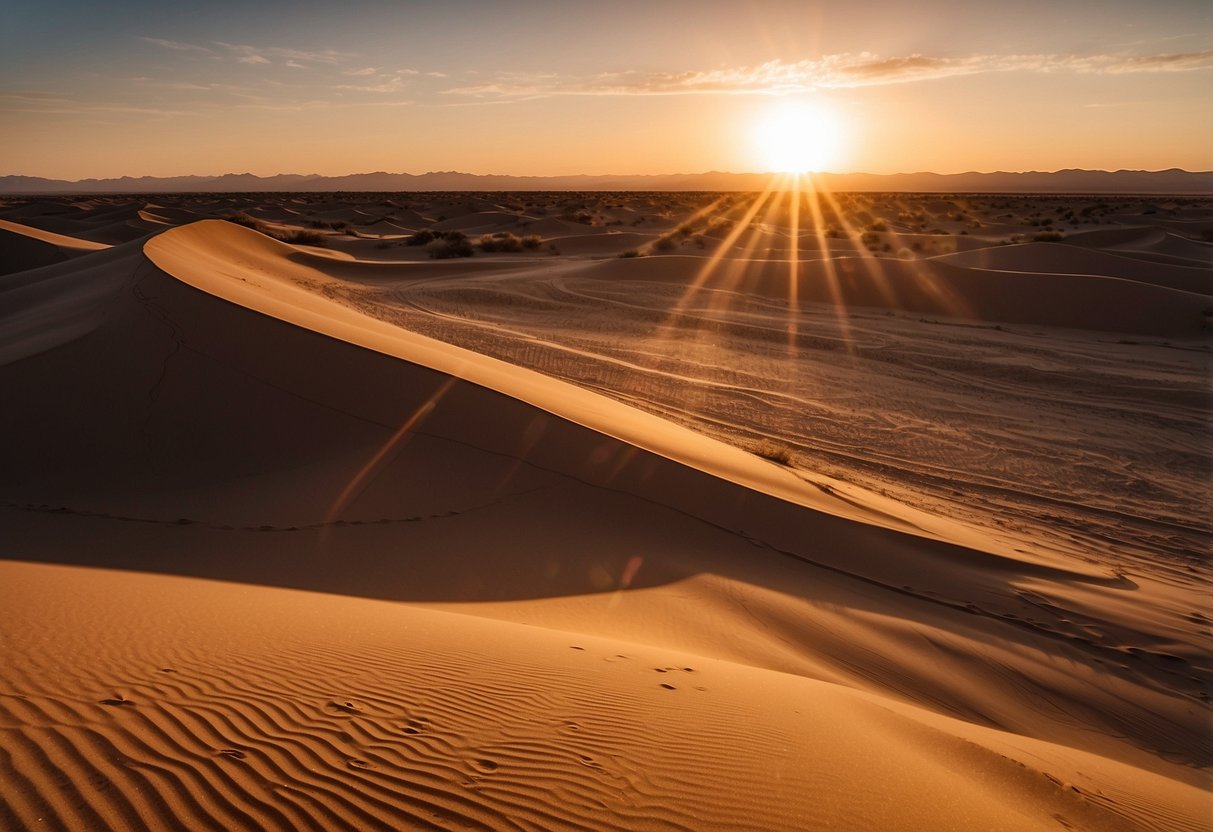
[52, 104]
[248, 54]
[373, 81]
[828, 72]
[178, 46]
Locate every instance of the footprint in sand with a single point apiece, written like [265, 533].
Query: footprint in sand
[415, 726]
[234, 753]
[360, 764]
[117, 701]
[344, 706]
[484, 765]
[668, 686]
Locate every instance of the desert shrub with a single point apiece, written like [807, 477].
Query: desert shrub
[531, 242]
[630, 253]
[298, 236]
[879, 225]
[421, 238]
[685, 229]
[335, 225]
[1048, 236]
[665, 243]
[301, 237]
[241, 218]
[501, 241]
[780, 454]
[450, 245]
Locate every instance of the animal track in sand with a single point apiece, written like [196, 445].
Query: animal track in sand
[117, 701]
[234, 753]
[485, 765]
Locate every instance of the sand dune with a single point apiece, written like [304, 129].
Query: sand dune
[1051, 258]
[23, 248]
[303, 568]
[941, 288]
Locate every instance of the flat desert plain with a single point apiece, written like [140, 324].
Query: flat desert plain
[655, 511]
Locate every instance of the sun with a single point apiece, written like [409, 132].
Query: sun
[798, 137]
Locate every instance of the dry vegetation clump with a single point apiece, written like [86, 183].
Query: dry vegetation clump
[301, 237]
[335, 225]
[630, 253]
[777, 453]
[294, 236]
[451, 244]
[1048, 237]
[505, 241]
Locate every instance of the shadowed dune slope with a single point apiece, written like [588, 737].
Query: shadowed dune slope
[1064, 259]
[931, 287]
[23, 247]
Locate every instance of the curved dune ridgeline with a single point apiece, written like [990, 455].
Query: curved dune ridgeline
[273, 562]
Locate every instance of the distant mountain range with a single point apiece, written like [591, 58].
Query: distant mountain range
[1172, 181]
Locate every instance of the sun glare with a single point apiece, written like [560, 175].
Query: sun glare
[796, 137]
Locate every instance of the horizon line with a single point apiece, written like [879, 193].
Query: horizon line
[453, 172]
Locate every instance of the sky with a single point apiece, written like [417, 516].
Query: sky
[126, 87]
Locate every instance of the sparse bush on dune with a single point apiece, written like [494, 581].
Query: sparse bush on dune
[302, 237]
[335, 225]
[421, 238]
[666, 243]
[295, 236]
[501, 241]
[630, 253]
[779, 454]
[1048, 237]
[241, 218]
[505, 241]
[452, 244]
